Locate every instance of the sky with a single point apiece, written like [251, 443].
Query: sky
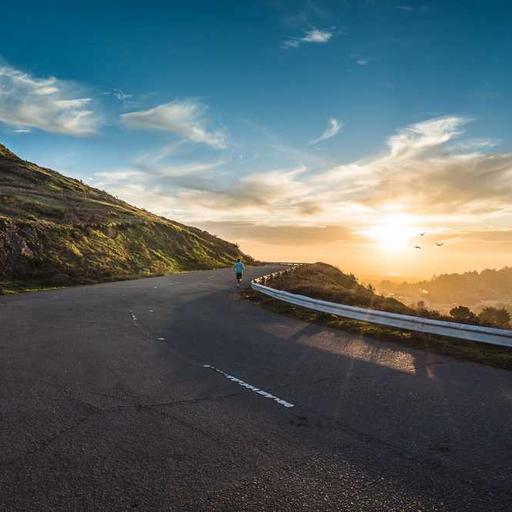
[373, 135]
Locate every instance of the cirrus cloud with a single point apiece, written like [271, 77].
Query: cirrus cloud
[334, 127]
[186, 119]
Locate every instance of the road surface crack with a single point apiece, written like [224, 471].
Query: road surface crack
[180, 402]
[49, 440]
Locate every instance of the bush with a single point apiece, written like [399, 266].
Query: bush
[494, 317]
[463, 314]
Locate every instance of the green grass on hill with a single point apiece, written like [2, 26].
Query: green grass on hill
[323, 281]
[57, 231]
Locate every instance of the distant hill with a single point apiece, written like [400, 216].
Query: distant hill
[56, 230]
[468, 288]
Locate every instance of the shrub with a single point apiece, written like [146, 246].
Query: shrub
[495, 317]
[463, 314]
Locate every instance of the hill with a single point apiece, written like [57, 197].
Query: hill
[469, 288]
[56, 230]
[325, 282]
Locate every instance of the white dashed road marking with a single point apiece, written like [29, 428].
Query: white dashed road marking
[141, 327]
[240, 382]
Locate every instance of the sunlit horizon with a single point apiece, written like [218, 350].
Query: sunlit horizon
[373, 136]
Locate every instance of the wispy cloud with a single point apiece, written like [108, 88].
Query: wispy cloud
[314, 36]
[334, 127]
[421, 137]
[317, 36]
[410, 8]
[281, 234]
[121, 95]
[186, 119]
[406, 8]
[422, 172]
[147, 174]
[47, 104]
[152, 158]
[475, 144]
[360, 60]
[427, 174]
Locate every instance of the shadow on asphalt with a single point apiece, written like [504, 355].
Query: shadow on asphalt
[425, 421]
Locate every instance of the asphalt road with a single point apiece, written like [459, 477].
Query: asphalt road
[106, 405]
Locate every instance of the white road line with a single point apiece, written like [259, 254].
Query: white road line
[146, 332]
[240, 382]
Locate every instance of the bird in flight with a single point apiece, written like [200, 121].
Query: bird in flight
[423, 234]
[439, 244]
[417, 247]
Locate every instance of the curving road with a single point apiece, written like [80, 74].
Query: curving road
[173, 393]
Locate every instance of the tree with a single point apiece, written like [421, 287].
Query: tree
[463, 314]
[496, 317]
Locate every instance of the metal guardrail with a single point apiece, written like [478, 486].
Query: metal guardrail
[490, 335]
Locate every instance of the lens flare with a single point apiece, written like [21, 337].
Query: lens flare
[394, 232]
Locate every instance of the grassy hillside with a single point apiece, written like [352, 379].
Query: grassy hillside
[58, 231]
[323, 281]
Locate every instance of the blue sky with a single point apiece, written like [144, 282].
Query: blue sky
[200, 110]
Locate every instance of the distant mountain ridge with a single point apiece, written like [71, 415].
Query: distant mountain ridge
[56, 230]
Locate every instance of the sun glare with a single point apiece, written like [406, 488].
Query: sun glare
[394, 232]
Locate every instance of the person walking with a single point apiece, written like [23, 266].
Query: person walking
[239, 269]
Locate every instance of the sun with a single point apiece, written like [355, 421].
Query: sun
[394, 232]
